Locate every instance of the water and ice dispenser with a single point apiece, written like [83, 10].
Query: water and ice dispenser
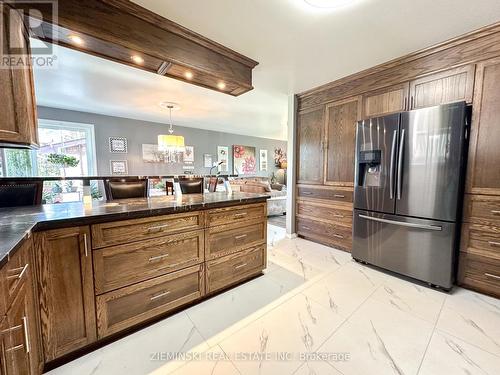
[370, 168]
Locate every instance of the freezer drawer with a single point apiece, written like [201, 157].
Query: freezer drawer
[418, 248]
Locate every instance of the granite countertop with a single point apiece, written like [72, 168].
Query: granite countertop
[17, 223]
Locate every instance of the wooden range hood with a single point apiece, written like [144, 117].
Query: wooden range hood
[119, 29]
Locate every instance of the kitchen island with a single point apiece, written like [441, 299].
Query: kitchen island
[88, 274]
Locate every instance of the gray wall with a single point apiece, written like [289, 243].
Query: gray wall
[139, 132]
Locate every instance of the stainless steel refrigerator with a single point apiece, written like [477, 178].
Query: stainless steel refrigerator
[408, 191]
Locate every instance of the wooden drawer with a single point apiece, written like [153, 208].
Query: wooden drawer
[482, 209]
[234, 268]
[128, 306]
[16, 271]
[226, 239]
[480, 273]
[339, 215]
[331, 194]
[480, 239]
[126, 231]
[227, 215]
[123, 265]
[339, 237]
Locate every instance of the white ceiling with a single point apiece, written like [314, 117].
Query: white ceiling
[298, 47]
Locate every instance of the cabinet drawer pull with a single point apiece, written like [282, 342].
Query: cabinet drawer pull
[240, 266]
[240, 237]
[306, 227]
[152, 259]
[26, 334]
[157, 227]
[242, 214]
[493, 243]
[85, 244]
[163, 294]
[495, 212]
[339, 195]
[20, 274]
[307, 193]
[338, 215]
[14, 348]
[492, 276]
[338, 236]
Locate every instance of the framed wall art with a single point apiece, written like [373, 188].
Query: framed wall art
[244, 160]
[222, 156]
[118, 145]
[119, 167]
[263, 160]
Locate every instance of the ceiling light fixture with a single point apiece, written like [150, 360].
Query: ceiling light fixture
[221, 85]
[328, 4]
[171, 145]
[76, 39]
[137, 59]
[188, 75]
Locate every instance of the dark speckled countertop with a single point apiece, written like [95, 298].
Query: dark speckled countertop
[18, 223]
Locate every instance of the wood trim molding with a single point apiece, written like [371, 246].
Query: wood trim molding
[469, 48]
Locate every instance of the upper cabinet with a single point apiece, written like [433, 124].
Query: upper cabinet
[450, 86]
[310, 145]
[386, 101]
[340, 134]
[483, 176]
[18, 122]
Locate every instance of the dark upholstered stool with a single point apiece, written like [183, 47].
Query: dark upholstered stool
[123, 188]
[21, 193]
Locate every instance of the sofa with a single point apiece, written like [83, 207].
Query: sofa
[276, 205]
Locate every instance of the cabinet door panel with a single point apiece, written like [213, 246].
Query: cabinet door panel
[66, 290]
[484, 156]
[453, 85]
[386, 101]
[310, 125]
[341, 118]
[18, 123]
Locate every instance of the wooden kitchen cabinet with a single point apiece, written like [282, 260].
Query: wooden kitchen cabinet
[483, 175]
[66, 289]
[18, 120]
[310, 145]
[340, 134]
[385, 101]
[450, 86]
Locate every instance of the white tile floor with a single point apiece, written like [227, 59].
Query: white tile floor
[314, 311]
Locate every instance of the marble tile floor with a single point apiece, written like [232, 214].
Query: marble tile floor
[314, 311]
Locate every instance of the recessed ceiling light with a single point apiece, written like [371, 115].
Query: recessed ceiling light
[76, 39]
[328, 4]
[221, 85]
[137, 59]
[188, 75]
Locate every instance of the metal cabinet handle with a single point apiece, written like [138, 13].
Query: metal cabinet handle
[152, 259]
[26, 334]
[338, 236]
[400, 163]
[86, 246]
[163, 294]
[240, 237]
[402, 223]
[338, 215]
[339, 195]
[495, 212]
[158, 227]
[306, 227]
[493, 243]
[242, 214]
[492, 276]
[240, 266]
[307, 193]
[20, 274]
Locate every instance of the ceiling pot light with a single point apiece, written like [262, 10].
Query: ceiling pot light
[221, 85]
[137, 59]
[76, 39]
[328, 4]
[188, 75]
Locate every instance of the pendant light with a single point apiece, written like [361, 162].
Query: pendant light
[170, 144]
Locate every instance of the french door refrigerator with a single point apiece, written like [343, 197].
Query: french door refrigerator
[408, 191]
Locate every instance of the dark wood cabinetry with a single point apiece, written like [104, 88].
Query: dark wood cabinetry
[18, 120]
[386, 100]
[66, 288]
[310, 146]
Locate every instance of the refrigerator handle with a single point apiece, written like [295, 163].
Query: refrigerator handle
[402, 223]
[392, 167]
[400, 163]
